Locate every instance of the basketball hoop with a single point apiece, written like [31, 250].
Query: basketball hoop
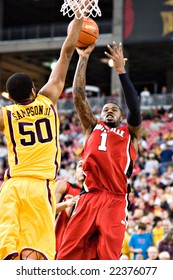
[81, 8]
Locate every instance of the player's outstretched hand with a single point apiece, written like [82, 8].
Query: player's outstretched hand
[116, 54]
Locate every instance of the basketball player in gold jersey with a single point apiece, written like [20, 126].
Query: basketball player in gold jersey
[31, 127]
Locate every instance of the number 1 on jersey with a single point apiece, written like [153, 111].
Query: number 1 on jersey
[102, 146]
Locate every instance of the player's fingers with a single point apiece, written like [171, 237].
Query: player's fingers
[121, 49]
[110, 49]
[68, 196]
[114, 57]
[108, 55]
[115, 46]
[125, 59]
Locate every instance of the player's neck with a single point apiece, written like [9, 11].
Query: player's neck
[25, 101]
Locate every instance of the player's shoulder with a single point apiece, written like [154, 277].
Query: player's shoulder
[61, 185]
[61, 182]
[43, 98]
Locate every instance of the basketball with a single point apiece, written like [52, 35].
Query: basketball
[89, 33]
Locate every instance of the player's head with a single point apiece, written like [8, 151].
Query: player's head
[79, 175]
[111, 114]
[20, 87]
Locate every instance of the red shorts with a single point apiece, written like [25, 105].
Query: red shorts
[96, 229]
[60, 226]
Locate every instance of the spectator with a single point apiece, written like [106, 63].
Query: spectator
[167, 244]
[157, 231]
[164, 256]
[146, 220]
[157, 211]
[139, 257]
[160, 139]
[164, 89]
[166, 154]
[151, 163]
[166, 223]
[153, 253]
[156, 124]
[141, 162]
[124, 257]
[145, 96]
[125, 249]
[140, 242]
[168, 135]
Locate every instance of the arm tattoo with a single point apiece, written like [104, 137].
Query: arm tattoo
[80, 77]
[81, 102]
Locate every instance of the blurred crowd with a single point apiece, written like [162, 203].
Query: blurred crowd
[150, 220]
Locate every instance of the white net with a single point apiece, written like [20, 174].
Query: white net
[81, 8]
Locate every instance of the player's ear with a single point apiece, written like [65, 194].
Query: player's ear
[121, 119]
[34, 92]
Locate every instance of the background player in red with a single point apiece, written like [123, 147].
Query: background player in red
[108, 156]
[66, 195]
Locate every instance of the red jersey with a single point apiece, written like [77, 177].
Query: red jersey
[109, 156]
[62, 218]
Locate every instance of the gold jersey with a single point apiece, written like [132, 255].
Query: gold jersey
[32, 135]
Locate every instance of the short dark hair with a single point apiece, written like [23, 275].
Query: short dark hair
[19, 86]
[111, 102]
[142, 226]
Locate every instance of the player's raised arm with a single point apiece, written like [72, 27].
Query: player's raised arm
[86, 116]
[55, 84]
[131, 96]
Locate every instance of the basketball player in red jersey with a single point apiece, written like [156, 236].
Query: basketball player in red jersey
[66, 195]
[108, 156]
